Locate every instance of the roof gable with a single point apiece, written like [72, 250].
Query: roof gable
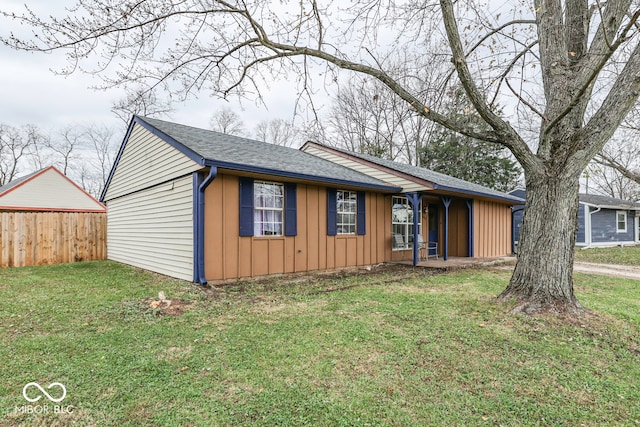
[47, 190]
[147, 158]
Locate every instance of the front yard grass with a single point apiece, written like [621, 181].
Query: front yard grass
[622, 255]
[397, 346]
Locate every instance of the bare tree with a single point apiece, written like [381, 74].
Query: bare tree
[141, 101]
[366, 118]
[575, 64]
[279, 132]
[101, 142]
[65, 147]
[15, 145]
[615, 171]
[622, 154]
[227, 121]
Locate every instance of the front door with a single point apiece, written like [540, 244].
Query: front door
[637, 228]
[433, 227]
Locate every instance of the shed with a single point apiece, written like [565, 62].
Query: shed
[46, 218]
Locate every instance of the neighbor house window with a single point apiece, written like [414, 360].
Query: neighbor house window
[268, 208]
[402, 222]
[346, 211]
[621, 221]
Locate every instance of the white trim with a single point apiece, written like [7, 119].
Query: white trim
[407, 245]
[637, 228]
[259, 225]
[608, 244]
[350, 200]
[588, 235]
[620, 230]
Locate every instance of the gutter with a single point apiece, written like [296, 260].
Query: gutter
[506, 198]
[303, 176]
[199, 270]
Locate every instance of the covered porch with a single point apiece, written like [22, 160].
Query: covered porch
[440, 226]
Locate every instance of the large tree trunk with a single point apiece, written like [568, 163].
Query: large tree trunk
[543, 277]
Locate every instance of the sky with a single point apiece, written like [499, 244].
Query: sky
[32, 94]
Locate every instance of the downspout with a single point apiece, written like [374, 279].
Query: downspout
[446, 201]
[199, 226]
[587, 226]
[414, 199]
[470, 237]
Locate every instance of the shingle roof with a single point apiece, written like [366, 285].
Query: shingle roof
[239, 153]
[608, 202]
[441, 181]
[18, 181]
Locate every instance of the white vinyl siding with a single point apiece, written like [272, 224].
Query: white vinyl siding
[147, 161]
[49, 190]
[392, 179]
[153, 229]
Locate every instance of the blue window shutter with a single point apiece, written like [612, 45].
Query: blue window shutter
[246, 207]
[291, 210]
[332, 216]
[362, 219]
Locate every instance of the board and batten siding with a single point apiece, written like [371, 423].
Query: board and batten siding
[229, 256]
[492, 229]
[146, 161]
[391, 179]
[153, 228]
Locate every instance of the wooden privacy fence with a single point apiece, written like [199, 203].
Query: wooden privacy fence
[35, 238]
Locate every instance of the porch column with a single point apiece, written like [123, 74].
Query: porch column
[446, 201]
[414, 199]
[470, 228]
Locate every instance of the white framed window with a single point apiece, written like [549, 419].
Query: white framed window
[268, 208]
[346, 211]
[621, 221]
[402, 223]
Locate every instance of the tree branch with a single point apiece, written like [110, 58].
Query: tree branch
[608, 161]
[592, 74]
[508, 136]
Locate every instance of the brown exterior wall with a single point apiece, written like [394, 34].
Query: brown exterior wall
[229, 256]
[492, 229]
[35, 238]
[458, 229]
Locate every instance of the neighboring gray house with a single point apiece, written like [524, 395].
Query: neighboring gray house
[602, 220]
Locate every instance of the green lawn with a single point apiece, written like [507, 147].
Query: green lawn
[398, 347]
[628, 255]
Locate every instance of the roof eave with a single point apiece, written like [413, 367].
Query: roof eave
[511, 200]
[613, 207]
[295, 175]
